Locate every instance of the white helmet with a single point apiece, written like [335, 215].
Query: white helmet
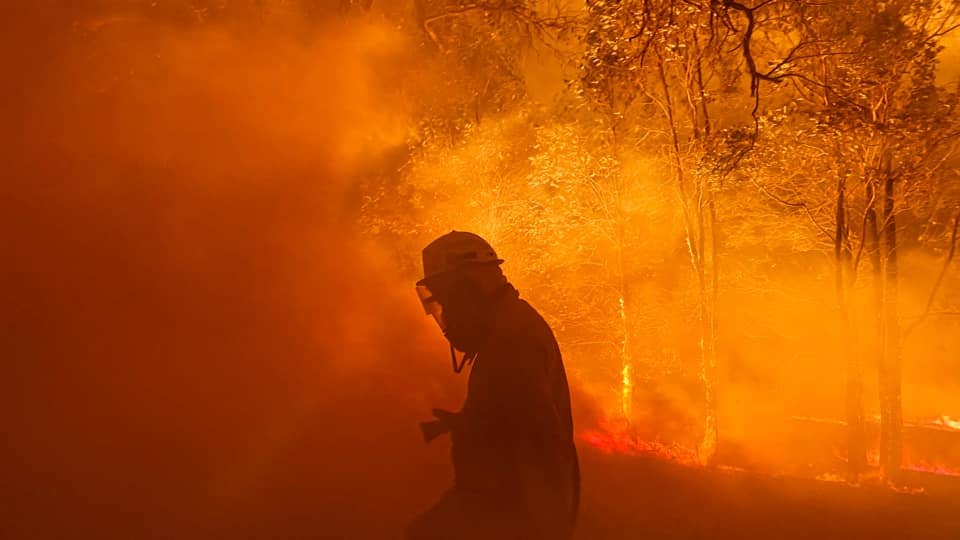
[453, 251]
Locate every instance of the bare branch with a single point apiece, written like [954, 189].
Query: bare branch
[755, 75]
[863, 235]
[939, 281]
[793, 204]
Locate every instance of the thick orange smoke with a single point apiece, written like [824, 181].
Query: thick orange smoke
[203, 341]
[198, 343]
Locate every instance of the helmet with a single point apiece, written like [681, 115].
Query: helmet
[450, 252]
[453, 251]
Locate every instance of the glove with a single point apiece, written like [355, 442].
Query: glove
[445, 421]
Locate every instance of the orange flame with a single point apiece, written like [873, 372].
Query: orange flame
[612, 439]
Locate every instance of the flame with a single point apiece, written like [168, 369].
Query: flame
[932, 468]
[947, 422]
[831, 477]
[617, 439]
[626, 391]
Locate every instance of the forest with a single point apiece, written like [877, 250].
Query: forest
[737, 216]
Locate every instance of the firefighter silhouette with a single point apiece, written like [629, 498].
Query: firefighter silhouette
[515, 464]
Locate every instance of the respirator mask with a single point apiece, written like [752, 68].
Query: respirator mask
[462, 315]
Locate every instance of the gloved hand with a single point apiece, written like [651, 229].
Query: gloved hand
[445, 421]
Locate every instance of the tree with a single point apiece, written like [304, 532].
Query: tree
[781, 127]
[867, 100]
[673, 59]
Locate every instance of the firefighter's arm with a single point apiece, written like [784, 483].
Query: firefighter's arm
[445, 422]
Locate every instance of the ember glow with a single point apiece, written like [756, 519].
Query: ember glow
[947, 422]
[617, 439]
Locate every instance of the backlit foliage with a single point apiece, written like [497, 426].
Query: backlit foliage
[695, 159]
[730, 212]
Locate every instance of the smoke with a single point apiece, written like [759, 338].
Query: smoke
[197, 341]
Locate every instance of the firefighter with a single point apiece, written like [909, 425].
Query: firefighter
[515, 465]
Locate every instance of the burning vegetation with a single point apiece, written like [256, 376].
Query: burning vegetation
[739, 218]
[733, 214]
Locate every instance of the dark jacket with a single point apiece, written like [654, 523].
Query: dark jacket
[513, 442]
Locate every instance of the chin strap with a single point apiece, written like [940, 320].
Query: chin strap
[467, 358]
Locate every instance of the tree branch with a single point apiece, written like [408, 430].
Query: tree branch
[939, 281]
[793, 204]
[863, 235]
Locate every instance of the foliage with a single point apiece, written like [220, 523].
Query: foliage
[694, 148]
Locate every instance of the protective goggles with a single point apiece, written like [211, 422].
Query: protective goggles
[431, 306]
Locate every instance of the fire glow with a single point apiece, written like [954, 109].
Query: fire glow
[619, 441]
[617, 437]
[743, 240]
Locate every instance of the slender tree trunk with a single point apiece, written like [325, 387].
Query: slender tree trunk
[623, 300]
[856, 447]
[711, 428]
[707, 282]
[626, 360]
[891, 407]
[708, 320]
[626, 366]
[876, 282]
[695, 216]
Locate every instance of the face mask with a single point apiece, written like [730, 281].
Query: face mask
[462, 313]
[431, 306]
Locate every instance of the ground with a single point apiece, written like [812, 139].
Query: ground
[627, 497]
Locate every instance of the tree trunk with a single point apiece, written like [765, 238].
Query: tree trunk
[872, 240]
[891, 408]
[623, 297]
[708, 320]
[856, 446]
[626, 360]
[626, 365]
[697, 220]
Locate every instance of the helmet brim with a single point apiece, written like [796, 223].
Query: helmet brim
[429, 278]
